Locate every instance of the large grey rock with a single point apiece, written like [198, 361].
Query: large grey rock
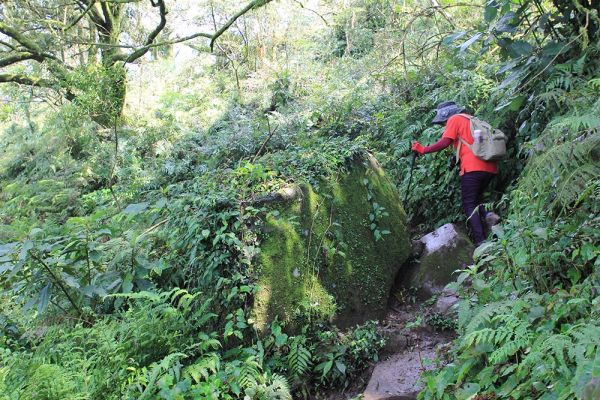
[398, 377]
[445, 303]
[446, 250]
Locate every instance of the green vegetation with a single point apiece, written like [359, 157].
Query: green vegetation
[134, 244]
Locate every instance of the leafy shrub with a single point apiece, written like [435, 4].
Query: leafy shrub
[49, 382]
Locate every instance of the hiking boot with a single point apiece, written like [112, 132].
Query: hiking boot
[492, 219]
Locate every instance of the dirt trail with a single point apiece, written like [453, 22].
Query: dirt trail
[410, 350]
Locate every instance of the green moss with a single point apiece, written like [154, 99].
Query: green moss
[320, 257]
[436, 270]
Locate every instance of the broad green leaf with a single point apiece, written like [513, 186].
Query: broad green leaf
[27, 245]
[520, 48]
[127, 284]
[6, 266]
[507, 67]
[161, 203]
[135, 208]
[468, 391]
[340, 367]
[482, 249]
[506, 23]
[7, 248]
[325, 367]
[513, 77]
[541, 233]
[498, 231]
[35, 231]
[463, 47]
[280, 339]
[490, 13]
[553, 48]
[521, 258]
[43, 298]
[453, 37]
[70, 280]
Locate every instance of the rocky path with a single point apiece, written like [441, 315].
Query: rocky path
[420, 321]
[411, 349]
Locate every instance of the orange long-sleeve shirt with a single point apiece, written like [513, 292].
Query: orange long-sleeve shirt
[459, 126]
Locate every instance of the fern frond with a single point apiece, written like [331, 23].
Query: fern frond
[203, 368]
[279, 388]
[249, 373]
[564, 171]
[507, 334]
[299, 359]
[588, 339]
[507, 350]
[486, 313]
[573, 124]
[169, 363]
[414, 129]
[555, 95]
[594, 83]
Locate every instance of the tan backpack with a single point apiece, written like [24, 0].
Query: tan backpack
[489, 144]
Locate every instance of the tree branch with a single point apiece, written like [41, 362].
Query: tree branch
[146, 48]
[437, 6]
[10, 46]
[83, 14]
[60, 284]
[312, 11]
[26, 80]
[31, 46]
[108, 17]
[139, 52]
[15, 58]
[92, 11]
[21, 39]
[252, 5]
[264, 144]
[152, 36]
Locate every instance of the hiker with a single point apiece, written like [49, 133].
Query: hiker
[475, 173]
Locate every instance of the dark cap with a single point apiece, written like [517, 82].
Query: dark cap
[445, 110]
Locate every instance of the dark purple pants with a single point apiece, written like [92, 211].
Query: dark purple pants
[472, 185]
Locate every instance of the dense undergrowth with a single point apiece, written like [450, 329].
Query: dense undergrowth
[127, 256]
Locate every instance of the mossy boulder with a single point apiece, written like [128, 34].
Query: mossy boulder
[445, 250]
[332, 249]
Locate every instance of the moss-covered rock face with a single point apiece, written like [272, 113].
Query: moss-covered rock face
[332, 251]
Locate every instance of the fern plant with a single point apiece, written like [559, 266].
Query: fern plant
[275, 388]
[564, 170]
[299, 359]
[506, 334]
[144, 383]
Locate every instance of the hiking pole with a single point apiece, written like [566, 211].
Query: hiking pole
[412, 168]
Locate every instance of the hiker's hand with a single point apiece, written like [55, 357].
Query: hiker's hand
[418, 148]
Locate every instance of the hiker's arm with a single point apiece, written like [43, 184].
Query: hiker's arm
[438, 146]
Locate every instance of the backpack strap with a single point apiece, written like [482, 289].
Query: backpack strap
[461, 140]
[460, 143]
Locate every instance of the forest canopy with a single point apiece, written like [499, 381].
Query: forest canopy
[58, 40]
